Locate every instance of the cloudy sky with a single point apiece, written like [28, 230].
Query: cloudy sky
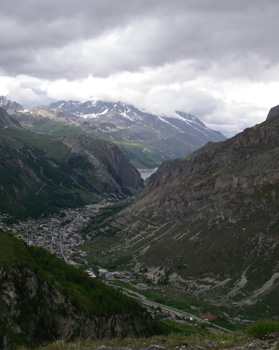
[216, 59]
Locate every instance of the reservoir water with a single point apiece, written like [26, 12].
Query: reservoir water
[145, 173]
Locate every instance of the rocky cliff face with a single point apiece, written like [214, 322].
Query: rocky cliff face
[211, 219]
[113, 169]
[34, 312]
[240, 165]
[25, 294]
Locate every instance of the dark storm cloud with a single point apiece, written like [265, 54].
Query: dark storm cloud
[72, 39]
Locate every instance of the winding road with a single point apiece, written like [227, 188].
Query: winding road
[172, 311]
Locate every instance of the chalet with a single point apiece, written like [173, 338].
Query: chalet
[209, 317]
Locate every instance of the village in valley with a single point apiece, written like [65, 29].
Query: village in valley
[61, 235]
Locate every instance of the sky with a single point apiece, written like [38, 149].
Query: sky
[216, 59]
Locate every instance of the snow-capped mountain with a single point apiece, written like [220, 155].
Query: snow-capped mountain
[146, 139]
[120, 115]
[97, 109]
[10, 106]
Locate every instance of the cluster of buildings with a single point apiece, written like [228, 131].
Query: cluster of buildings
[112, 275]
[60, 234]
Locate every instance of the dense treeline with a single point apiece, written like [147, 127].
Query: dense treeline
[85, 293]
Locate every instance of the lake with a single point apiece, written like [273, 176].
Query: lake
[145, 173]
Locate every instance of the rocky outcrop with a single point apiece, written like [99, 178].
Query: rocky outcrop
[34, 310]
[274, 112]
[25, 294]
[238, 341]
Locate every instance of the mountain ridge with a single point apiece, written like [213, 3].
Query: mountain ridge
[97, 109]
[209, 221]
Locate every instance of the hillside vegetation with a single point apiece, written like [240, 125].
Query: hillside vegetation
[42, 299]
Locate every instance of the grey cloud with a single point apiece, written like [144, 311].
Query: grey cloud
[39, 37]
[203, 57]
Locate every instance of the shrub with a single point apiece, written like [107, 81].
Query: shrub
[262, 328]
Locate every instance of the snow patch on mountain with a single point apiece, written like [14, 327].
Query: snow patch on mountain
[167, 122]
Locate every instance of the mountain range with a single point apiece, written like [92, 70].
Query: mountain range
[145, 139]
[207, 224]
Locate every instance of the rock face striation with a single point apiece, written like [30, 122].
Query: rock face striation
[211, 219]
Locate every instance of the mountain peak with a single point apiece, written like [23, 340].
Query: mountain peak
[6, 121]
[274, 112]
[189, 117]
[10, 106]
